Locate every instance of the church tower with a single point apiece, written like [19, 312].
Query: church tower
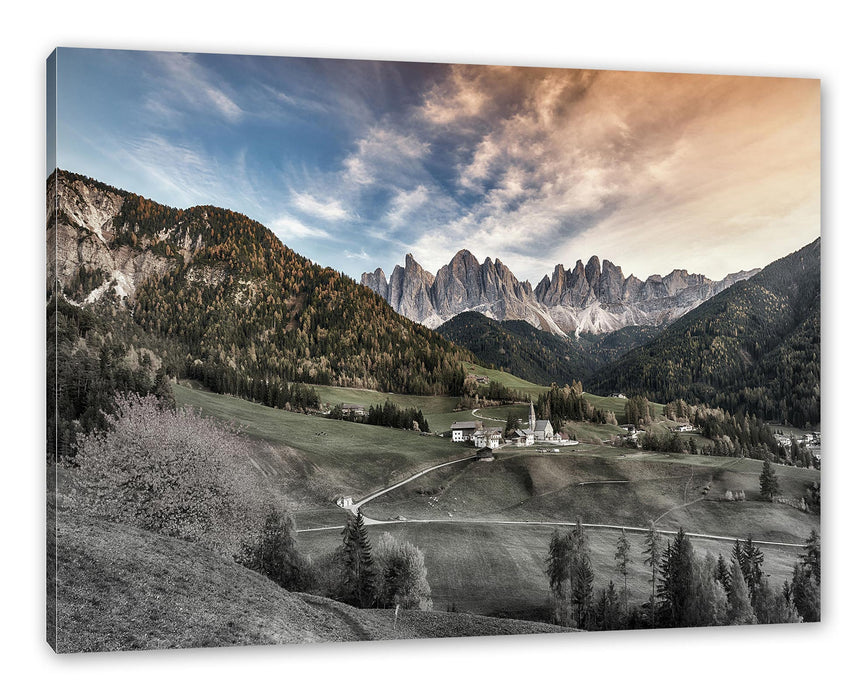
[531, 416]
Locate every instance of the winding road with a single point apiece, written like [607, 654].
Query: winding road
[355, 507]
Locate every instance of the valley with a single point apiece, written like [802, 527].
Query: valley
[485, 527]
[203, 316]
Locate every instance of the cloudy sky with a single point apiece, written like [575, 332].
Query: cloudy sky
[356, 163]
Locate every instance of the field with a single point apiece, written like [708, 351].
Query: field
[499, 569]
[608, 486]
[314, 459]
[124, 588]
[475, 564]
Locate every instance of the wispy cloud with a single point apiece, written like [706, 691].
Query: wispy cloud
[328, 209]
[385, 155]
[288, 228]
[535, 166]
[404, 204]
[184, 80]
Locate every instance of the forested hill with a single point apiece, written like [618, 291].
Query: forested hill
[217, 297]
[755, 346]
[536, 355]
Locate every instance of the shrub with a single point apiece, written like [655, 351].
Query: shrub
[401, 575]
[171, 471]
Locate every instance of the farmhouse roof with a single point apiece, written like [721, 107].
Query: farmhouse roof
[464, 425]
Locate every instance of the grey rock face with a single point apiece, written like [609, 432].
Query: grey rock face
[377, 282]
[593, 298]
[80, 233]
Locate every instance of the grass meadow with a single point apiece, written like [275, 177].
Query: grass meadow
[493, 569]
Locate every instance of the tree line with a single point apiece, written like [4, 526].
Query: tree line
[561, 404]
[390, 416]
[686, 590]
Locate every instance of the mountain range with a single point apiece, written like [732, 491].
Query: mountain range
[138, 290]
[591, 298]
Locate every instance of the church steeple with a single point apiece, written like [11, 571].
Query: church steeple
[531, 416]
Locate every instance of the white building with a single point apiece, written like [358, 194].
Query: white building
[462, 431]
[543, 430]
[490, 437]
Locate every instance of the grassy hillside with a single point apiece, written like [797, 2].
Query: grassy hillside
[123, 588]
[505, 378]
[315, 459]
[499, 569]
[522, 484]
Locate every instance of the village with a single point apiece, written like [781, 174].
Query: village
[492, 438]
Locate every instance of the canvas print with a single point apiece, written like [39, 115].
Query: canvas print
[346, 350]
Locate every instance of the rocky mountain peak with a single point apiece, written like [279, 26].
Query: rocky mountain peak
[596, 297]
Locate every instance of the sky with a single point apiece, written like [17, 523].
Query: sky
[354, 164]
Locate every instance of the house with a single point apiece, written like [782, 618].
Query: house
[523, 438]
[687, 428]
[488, 437]
[485, 454]
[543, 430]
[617, 396]
[462, 431]
[629, 428]
[354, 409]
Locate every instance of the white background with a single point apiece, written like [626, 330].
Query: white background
[819, 40]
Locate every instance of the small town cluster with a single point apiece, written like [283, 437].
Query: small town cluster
[493, 438]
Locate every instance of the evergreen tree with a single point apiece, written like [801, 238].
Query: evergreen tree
[783, 608]
[739, 607]
[812, 557]
[359, 573]
[558, 574]
[806, 594]
[751, 561]
[723, 574]
[512, 422]
[769, 482]
[622, 561]
[676, 581]
[608, 611]
[274, 554]
[653, 559]
[582, 575]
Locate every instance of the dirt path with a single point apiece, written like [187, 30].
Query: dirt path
[498, 420]
[354, 508]
[551, 523]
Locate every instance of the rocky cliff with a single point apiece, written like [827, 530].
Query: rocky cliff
[594, 298]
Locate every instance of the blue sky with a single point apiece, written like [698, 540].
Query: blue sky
[356, 163]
